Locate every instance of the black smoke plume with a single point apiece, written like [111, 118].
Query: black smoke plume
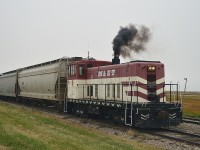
[130, 38]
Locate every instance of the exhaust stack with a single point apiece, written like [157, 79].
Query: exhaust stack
[116, 60]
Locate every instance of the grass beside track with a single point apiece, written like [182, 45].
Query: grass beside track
[191, 104]
[23, 128]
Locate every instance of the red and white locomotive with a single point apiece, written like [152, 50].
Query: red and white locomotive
[131, 93]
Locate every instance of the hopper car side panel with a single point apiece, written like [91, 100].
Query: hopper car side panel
[41, 86]
[8, 84]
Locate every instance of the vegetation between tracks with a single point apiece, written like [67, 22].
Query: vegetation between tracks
[24, 128]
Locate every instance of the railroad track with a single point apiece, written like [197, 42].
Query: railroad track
[191, 120]
[177, 135]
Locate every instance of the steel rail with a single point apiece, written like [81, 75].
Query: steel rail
[177, 135]
[191, 120]
[184, 133]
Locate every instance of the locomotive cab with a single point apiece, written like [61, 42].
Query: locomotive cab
[76, 71]
[78, 77]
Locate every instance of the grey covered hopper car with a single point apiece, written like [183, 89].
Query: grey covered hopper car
[45, 81]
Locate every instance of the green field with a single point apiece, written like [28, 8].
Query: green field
[191, 104]
[23, 128]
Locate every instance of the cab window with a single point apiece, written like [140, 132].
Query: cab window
[72, 70]
[81, 70]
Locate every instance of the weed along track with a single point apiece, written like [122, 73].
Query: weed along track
[29, 128]
[122, 133]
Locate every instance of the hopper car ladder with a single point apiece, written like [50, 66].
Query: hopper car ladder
[65, 104]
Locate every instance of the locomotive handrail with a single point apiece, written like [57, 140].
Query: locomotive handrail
[114, 96]
[163, 85]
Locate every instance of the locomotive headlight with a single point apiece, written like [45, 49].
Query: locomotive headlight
[151, 68]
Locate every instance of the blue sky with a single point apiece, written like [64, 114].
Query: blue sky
[35, 31]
